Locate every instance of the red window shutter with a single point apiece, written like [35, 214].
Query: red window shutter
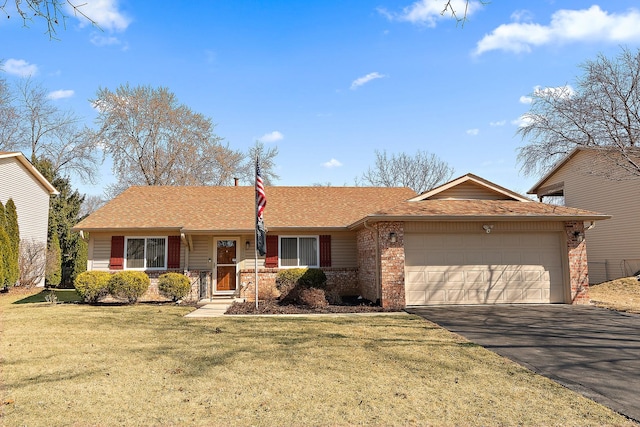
[117, 253]
[271, 260]
[325, 251]
[173, 252]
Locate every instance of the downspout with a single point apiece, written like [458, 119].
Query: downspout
[377, 278]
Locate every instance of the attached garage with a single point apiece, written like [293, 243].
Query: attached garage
[471, 241]
[483, 268]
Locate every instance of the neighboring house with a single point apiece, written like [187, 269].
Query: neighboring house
[585, 183]
[466, 242]
[30, 191]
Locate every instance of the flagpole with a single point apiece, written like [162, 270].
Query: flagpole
[255, 235]
[261, 232]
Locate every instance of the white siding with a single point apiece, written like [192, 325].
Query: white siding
[31, 199]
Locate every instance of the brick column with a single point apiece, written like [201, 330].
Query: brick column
[367, 281]
[577, 255]
[392, 265]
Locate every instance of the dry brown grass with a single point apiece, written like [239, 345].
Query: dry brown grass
[70, 364]
[620, 294]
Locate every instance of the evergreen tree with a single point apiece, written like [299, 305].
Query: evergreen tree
[4, 249]
[64, 213]
[13, 232]
[53, 274]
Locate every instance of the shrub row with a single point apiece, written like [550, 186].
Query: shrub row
[130, 285]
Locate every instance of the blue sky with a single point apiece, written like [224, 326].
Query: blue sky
[329, 82]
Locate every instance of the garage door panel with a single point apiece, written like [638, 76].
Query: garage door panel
[484, 268]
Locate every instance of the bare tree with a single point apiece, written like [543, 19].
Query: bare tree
[8, 117]
[420, 172]
[46, 131]
[267, 164]
[603, 113]
[50, 11]
[458, 9]
[153, 140]
[32, 262]
[90, 204]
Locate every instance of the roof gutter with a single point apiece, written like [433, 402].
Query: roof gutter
[459, 218]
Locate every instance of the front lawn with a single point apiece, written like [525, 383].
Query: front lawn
[620, 294]
[74, 364]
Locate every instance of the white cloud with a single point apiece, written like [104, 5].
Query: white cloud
[473, 132]
[99, 40]
[271, 137]
[20, 68]
[60, 94]
[105, 13]
[428, 12]
[365, 79]
[498, 123]
[522, 121]
[333, 163]
[566, 26]
[525, 99]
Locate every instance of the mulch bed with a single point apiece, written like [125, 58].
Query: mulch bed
[349, 305]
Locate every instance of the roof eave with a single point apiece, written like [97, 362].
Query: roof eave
[463, 218]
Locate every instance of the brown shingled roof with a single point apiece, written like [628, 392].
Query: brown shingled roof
[439, 210]
[203, 209]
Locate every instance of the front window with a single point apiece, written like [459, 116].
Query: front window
[299, 251]
[146, 253]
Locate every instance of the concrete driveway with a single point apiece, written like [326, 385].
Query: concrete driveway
[592, 351]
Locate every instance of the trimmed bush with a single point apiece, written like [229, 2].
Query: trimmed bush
[129, 285]
[92, 285]
[314, 278]
[314, 298]
[287, 280]
[292, 281]
[174, 285]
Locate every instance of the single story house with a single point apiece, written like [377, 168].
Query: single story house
[30, 191]
[466, 242]
[586, 180]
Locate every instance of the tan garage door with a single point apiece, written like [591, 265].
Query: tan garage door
[483, 268]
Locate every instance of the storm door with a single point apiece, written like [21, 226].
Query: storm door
[226, 263]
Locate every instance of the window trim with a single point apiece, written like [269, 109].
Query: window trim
[298, 237]
[145, 268]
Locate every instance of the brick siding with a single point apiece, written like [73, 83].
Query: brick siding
[375, 242]
[577, 255]
[343, 280]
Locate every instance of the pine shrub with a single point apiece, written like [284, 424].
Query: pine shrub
[129, 285]
[174, 285]
[92, 285]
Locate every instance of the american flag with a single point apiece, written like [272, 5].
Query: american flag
[261, 202]
[261, 197]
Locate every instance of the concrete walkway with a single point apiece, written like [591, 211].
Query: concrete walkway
[211, 308]
[592, 351]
